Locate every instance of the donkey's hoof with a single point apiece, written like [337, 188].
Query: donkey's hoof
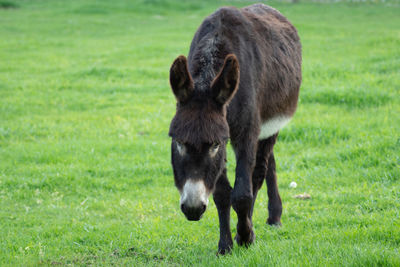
[224, 251]
[274, 222]
[245, 240]
[225, 248]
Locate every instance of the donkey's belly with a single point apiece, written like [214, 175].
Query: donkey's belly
[272, 126]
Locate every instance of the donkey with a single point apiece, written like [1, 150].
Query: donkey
[240, 82]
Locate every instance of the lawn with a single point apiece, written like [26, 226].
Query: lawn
[85, 106]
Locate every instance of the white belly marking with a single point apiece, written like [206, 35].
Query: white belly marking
[272, 126]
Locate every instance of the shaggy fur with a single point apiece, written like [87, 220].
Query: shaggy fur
[243, 70]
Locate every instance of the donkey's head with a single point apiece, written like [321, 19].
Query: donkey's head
[199, 133]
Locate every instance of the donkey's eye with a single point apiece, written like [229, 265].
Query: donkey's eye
[214, 149]
[181, 148]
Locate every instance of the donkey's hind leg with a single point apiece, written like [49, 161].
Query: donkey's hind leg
[260, 171]
[264, 150]
[274, 200]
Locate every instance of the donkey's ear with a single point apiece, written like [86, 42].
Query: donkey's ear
[180, 79]
[226, 82]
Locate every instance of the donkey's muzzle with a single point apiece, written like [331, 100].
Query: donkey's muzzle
[193, 213]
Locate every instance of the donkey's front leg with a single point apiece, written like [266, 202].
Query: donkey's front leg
[242, 194]
[222, 199]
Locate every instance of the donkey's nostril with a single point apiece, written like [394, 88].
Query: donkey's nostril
[183, 208]
[203, 208]
[193, 213]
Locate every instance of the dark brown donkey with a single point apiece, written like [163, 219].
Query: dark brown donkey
[259, 45]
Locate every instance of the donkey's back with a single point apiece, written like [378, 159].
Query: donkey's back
[269, 52]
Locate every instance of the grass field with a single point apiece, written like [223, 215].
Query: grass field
[85, 106]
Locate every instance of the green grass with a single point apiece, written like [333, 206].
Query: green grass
[85, 105]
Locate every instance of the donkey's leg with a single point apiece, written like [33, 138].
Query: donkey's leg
[265, 167]
[222, 199]
[242, 195]
[274, 200]
[260, 171]
[264, 150]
